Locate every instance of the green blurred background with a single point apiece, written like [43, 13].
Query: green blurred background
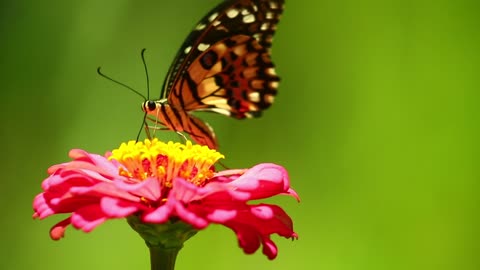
[376, 120]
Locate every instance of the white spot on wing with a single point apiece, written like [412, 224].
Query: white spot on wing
[269, 98]
[254, 97]
[269, 15]
[248, 115]
[200, 26]
[216, 23]
[245, 12]
[273, 5]
[211, 100]
[213, 17]
[274, 84]
[232, 13]
[187, 49]
[270, 71]
[255, 8]
[250, 18]
[220, 111]
[202, 46]
[264, 27]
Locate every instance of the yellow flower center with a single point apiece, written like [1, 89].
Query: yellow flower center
[165, 161]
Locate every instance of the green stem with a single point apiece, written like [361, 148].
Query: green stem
[162, 258]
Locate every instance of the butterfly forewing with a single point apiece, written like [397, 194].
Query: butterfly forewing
[255, 18]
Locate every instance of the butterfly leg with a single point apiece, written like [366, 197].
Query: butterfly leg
[147, 130]
[156, 122]
[155, 128]
[184, 138]
[223, 165]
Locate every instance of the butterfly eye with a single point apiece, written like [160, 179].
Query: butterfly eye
[151, 105]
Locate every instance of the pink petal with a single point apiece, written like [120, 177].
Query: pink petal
[86, 161]
[190, 217]
[58, 230]
[149, 188]
[117, 208]
[160, 214]
[88, 217]
[269, 248]
[263, 181]
[181, 192]
[222, 215]
[253, 224]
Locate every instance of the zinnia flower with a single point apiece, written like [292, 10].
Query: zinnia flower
[168, 184]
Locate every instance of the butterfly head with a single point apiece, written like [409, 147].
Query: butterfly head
[149, 106]
[152, 105]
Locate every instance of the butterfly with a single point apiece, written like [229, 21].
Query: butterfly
[223, 66]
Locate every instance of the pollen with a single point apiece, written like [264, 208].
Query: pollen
[166, 161]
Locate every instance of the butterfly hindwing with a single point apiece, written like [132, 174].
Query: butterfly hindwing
[201, 132]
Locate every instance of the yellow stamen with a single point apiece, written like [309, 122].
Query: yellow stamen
[165, 161]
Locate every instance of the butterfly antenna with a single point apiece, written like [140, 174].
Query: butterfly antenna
[146, 72]
[141, 127]
[117, 82]
[147, 129]
[144, 122]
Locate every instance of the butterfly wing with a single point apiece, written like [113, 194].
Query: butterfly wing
[234, 77]
[224, 65]
[201, 132]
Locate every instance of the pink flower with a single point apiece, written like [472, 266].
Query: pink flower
[160, 182]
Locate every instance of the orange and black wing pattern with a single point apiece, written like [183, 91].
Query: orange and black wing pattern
[224, 65]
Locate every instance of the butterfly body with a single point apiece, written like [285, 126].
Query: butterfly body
[224, 66]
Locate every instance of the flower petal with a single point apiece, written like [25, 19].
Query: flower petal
[181, 193]
[88, 217]
[253, 224]
[83, 160]
[117, 208]
[148, 189]
[263, 181]
[58, 230]
[160, 214]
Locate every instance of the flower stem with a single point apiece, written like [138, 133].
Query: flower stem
[162, 258]
[164, 240]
